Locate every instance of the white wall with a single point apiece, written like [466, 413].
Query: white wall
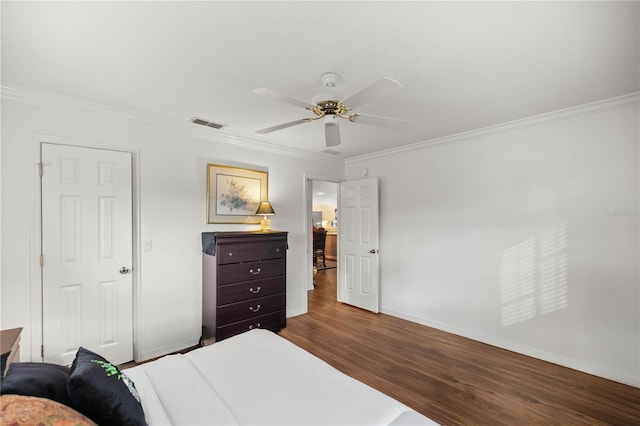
[171, 168]
[523, 236]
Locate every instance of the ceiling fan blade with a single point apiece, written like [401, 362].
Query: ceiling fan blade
[283, 98]
[374, 120]
[332, 133]
[282, 126]
[378, 89]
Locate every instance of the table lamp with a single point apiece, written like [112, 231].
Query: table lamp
[265, 210]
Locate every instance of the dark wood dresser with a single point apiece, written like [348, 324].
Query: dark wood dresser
[244, 282]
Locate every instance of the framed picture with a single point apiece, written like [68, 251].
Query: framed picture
[233, 194]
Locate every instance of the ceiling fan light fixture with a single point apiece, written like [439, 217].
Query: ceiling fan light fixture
[330, 120]
[331, 130]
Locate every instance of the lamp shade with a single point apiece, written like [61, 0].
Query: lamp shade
[265, 209]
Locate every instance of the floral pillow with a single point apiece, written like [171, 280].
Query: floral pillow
[20, 410]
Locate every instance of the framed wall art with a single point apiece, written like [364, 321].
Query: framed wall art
[234, 193]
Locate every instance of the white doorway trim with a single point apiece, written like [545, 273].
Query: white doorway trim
[308, 224]
[33, 345]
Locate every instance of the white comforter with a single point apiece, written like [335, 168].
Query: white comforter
[259, 378]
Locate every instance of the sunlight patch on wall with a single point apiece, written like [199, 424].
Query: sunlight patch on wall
[534, 278]
[553, 271]
[519, 282]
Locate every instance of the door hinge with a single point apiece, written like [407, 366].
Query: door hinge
[42, 351]
[41, 261]
[40, 169]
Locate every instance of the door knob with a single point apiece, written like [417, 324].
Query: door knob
[373, 251]
[124, 270]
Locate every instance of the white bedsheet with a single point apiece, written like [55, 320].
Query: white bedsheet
[259, 378]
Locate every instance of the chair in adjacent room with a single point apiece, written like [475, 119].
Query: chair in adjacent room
[319, 240]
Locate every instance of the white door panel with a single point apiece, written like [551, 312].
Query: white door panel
[358, 276]
[86, 240]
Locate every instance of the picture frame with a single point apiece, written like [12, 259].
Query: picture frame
[234, 193]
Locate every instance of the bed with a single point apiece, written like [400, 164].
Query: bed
[254, 378]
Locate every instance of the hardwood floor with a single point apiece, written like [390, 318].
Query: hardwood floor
[451, 379]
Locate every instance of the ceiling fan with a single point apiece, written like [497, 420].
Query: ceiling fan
[330, 110]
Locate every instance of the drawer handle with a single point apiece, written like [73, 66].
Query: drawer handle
[230, 254]
[251, 327]
[256, 291]
[256, 309]
[277, 250]
[256, 272]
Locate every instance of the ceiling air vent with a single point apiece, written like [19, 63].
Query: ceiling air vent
[202, 122]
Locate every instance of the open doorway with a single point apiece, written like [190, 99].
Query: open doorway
[324, 218]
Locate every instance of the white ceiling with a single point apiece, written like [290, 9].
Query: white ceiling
[463, 65]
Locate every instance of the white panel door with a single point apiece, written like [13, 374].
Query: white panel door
[87, 294]
[358, 277]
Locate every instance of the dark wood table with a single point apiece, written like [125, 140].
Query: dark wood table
[9, 347]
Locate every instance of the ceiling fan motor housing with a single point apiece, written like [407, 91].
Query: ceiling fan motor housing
[330, 107]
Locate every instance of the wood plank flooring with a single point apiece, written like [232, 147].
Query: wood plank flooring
[451, 379]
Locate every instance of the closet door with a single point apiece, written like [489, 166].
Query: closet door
[87, 253]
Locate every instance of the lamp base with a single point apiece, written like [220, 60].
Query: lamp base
[265, 224]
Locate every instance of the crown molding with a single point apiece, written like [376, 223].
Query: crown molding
[186, 128]
[169, 124]
[606, 105]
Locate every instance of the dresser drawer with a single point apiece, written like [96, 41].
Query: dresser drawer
[258, 250]
[251, 289]
[235, 272]
[251, 308]
[273, 321]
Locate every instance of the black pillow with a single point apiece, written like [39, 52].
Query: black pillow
[100, 391]
[37, 379]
